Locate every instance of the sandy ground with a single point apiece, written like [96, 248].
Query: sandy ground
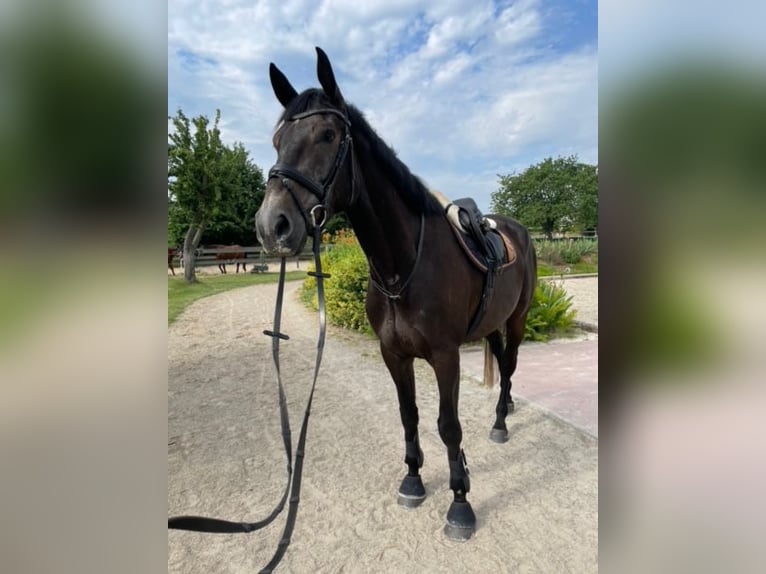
[535, 497]
[584, 293]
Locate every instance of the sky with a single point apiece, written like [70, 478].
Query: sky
[462, 90]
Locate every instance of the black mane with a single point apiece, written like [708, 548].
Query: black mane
[408, 185]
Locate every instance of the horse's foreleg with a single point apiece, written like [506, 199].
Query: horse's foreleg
[461, 521]
[411, 491]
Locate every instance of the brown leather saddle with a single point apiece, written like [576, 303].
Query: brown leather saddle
[484, 245]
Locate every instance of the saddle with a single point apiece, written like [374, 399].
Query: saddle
[484, 245]
[486, 248]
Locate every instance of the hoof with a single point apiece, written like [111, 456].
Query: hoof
[461, 521]
[498, 435]
[411, 492]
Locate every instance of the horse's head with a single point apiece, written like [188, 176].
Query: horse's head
[312, 178]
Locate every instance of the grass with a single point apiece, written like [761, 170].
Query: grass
[548, 270]
[181, 295]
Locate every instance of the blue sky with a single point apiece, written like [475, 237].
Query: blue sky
[462, 90]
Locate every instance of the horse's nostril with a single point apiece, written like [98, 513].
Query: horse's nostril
[282, 227]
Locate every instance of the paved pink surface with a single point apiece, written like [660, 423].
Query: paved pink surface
[561, 377]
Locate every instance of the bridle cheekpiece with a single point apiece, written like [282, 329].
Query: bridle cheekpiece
[318, 214]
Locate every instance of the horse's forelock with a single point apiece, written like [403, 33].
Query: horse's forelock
[303, 102]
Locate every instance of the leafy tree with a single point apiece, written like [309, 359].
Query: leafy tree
[586, 202]
[553, 195]
[210, 186]
[234, 222]
[248, 196]
[337, 222]
[201, 178]
[177, 225]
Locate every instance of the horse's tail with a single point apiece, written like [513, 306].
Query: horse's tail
[491, 372]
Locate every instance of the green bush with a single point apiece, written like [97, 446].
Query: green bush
[345, 293]
[551, 312]
[567, 252]
[346, 290]
[548, 252]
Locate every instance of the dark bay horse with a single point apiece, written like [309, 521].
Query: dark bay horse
[423, 293]
[172, 253]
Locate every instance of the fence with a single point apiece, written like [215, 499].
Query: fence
[589, 237]
[231, 255]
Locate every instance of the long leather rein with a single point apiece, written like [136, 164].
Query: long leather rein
[294, 474]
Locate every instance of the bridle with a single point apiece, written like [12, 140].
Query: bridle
[322, 189]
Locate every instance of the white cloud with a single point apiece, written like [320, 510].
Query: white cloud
[518, 23]
[460, 89]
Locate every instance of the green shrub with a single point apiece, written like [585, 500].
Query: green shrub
[551, 312]
[346, 290]
[567, 252]
[548, 252]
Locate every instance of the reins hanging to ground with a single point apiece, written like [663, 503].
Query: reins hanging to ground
[294, 473]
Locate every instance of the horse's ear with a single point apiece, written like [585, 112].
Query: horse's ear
[282, 88]
[327, 78]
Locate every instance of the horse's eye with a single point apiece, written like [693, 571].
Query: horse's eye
[329, 135]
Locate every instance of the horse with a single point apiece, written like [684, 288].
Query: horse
[229, 254]
[422, 291]
[172, 253]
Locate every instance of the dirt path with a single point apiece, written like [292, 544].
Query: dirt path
[584, 293]
[535, 497]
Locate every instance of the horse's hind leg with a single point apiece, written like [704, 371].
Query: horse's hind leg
[514, 335]
[499, 432]
[411, 492]
[461, 521]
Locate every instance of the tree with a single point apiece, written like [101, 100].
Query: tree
[554, 195]
[235, 221]
[586, 201]
[337, 222]
[205, 180]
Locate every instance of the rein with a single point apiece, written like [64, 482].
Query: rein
[294, 474]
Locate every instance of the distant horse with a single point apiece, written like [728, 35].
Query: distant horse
[423, 292]
[172, 253]
[229, 254]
